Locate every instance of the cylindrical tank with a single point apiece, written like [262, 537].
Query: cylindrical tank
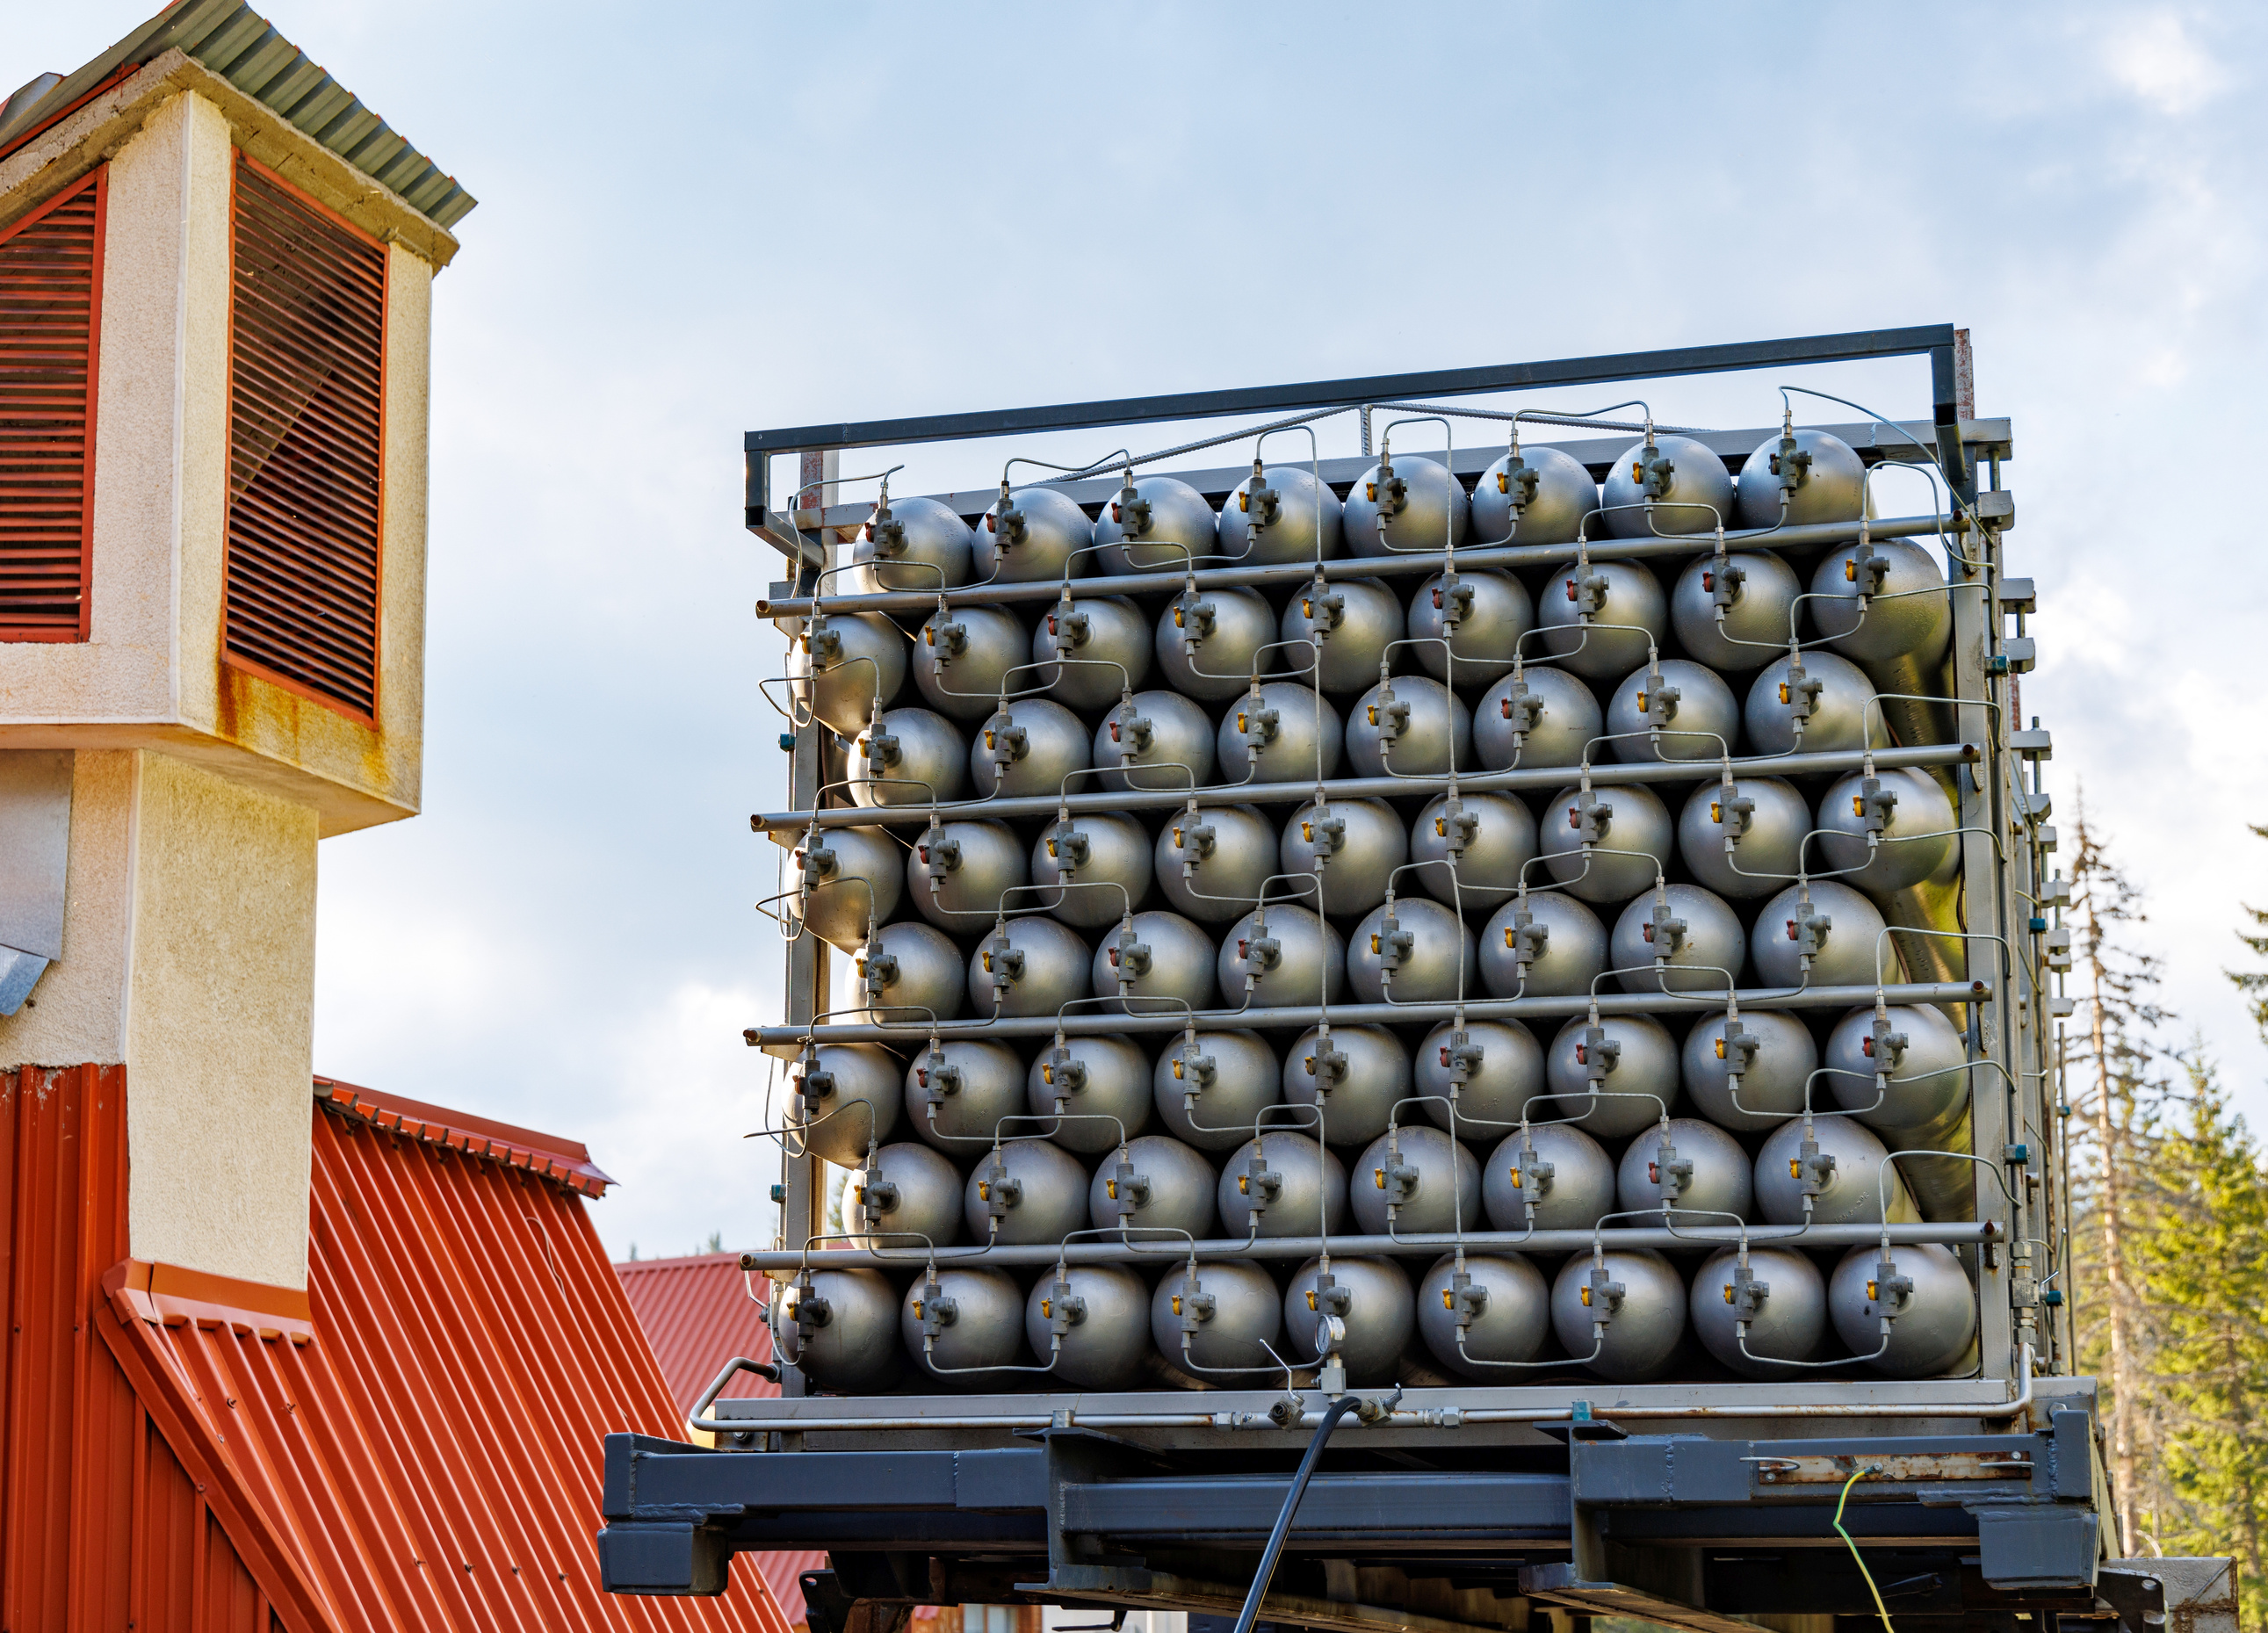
[1844, 928]
[1233, 1315]
[962, 660]
[1359, 618]
[1705, 955]
[1577, 1192]
[907, 1196]
[1790, 1304]
[1935, 1325]
[845, 1101]
[1042, 535]
[1035, 1191]
[1773, 1072]
[1436, 953]
[1361, 844]
[1629, 616]
[1278, 956]
[1162, 741]
[975, 863]
[1515, 1311]
[1908, 612]
[846, 880]
[1026, 966]
[1503, 1067]
[980, 1326]
[957, 1096]
[1631, 849]
[912, 971]
[1498, 836]
[1922, 1054]
[908, 757]
[1209, 642]
[1090, 653]
[1493, 611]
[1852, 1191]
[1106, 1310]
[913, 544]
[1170, 967]
[838, 1334]
[1170, 1195]
[1552, 715]
[1212, 864]
[1376, 1317]
[1282, 732]
[1210, 1090]
[1669, 485]
[1102, 1085]
[1030, 747]
[1718, 1188]
[1917, 838]
[1165, 527]
[1295, 1186]
[1691, 709]
[1409, 727]
[1095, 868]
[1406, 505]
[1844, 713]
[1552, 493]
[1282, 514]
[1824, 481]
[1566, 945]
[1759, 591]
[1639, 1080]
[844, 666]
[1644, 1319]
[1764, 855]
[1358, 1090]
[1430, 1181]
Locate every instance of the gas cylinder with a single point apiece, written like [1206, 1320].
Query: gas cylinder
[1103, 1313]
[962, 1326]
[1490, 611]
[957, 872]
[1093, 1092]
[1548, 946]
[1025, 1190]
[1211, 1089]
[1733, 612]
[1213, 863]
[1279, 513]
[1640, 1299]
[1090, 869]
[1491, 1068]
[845, 666]
[1374, 1309]
[1039, 534]
[1675, 709]
[1166, 963]
[1357, 1076]
[1278, 732]
[1881, 600]
[1540, 716]
[1851, 1192]
[1281, 1184]
[1210, 642]
[1685, 928]
[910, 544]
[1711, 1173]
[1412, 951]
[1157, 523]
[1359, 842]
[908, 757]
[1028, 966]
[845, 879]
[1221, 1316]
[1359, 618]
[1562, 1171]
[963, 659]
[1766, 834]
[1904, 1073]
[1495, 837]
[1933, 1318]
[1543, 502]
[845, 1100]
[1032, 746]
[1832, 699]
[910, 971]
[838, 1333]
[1511, 1310]
[957, 1093]
[904, 1195]
[1413, 1180]
[1626, 830]
[1616, 1077]
[1164, 1193]
[1409, 727]
[1774, 1056]
[1912, 821]
[1280, 955]
[1837, 928]
[1783, 1298]
[1799, 478]
[1405, 506]
[1160, 740]
[1667, 485]
[1089, 652]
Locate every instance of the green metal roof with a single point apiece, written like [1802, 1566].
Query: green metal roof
[237, 43]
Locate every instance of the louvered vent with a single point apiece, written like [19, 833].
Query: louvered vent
[308, 351]
[50, 299]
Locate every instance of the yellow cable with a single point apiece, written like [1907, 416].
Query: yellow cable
[1879, 1610]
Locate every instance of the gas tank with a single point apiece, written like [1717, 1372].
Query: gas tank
[1413, 951]
[1360, 842]
[1378, 1315]
[1493, 611]
[1908, 614]
[1515, 1312]
[1763, 857]
[957, 872]
[1669, 485]
[1210, 642]
[1639, 1080]
[1916, 840]
[1280, 514]
[1503, 1066]
[1162, 525]
[962, 660]
[1675, 710]
[1285, 955]
[1281, 1184]
[838, 1334]
[1358, 1090]
[1935, 1329]
[1539, 716]
[1922, 1054]
[1358, 617]
[1026, 966]
[1705, 955]
[1169, 1197]
[1405, 506]
[1105, 1311]
[845, 1100]
[1818, 479]
[1570, 955]
[1281, 732]
[1414, 1180]
[1101, 1086]
[1843, 927]
[1577, 1192]
[908, 757]
[1156, 739]
[1773, 1072]
[1791, 1312]
[1032, 746]
[844, 666]
[1499, 839]
[1091, 870]
[1754, 590]
[1854, 1191]
[1222, 1316]
[1040, 534]
[1631, 849]
[913, 544]
[907, 1196]
[1024, 1192]
[1090, 653]
[846, 880]
[1544, 503]
[1717, 1189]
[979, 1317]
[1644, 1319]
[1210, 1090]
[1213, 863]
[1844, 713]
[1409, 727]
[1168, 969]
[910, 972]
[957, 1093]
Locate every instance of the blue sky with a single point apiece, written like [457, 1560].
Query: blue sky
[699, 218]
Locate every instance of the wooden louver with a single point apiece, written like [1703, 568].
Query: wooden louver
[307, 353]
[50, 314]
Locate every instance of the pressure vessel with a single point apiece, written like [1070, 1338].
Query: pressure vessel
[1281, 1184]
[1819, 479]
[1279, 732]
[1026, 966]
[1359, 842]
[957, 1093]
[1033, 746]
[1502, 1065]
[1924, 1059]
[1563, 1171]
[1210, 642]
[1498, 836]
[1155, 740]
[1280, 955]
[1210, 1089]
[1935, 1329]
[837, 1334]
[1412, 951]
[1024, 1191]
[1358, 1078]
[1168, 1195]
[1641, 1298]
[1359, 618]
[1106, 1315]
[1775, 1056]
[1691, 930]
[1852, 1193]
[1042, 535]
[1091, 870]
[1714, 1184]
[963, 659]
[845, 1101]
[1091, 652]
[1405, 506]
[1843, 712]
[1376, 1319]
[910, 971]
[908, 757]
[1545, 502]
[1491, 611]
[1508, 1326]
[1844, 928]
[911, 544]
[1916, 837]
[1667, 485]
[1168, 968]
[1908, 611]
[979, 1331]
[1428, 1181]
[905, 1196]
[1101, 1085]
[1540, 716]
[845, 666]
[1280, 514]
[1566, 945]
[1213, 863]
[1639, 1080]
[957, 872]
[1409, 727]
[1163, 526]
[1790, 1304]
[1630, 851]
[1757, 598]
[1222, 1316]
[1685, 703]
[1766, 851]
[846, 880]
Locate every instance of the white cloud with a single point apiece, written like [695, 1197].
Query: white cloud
[2156, 59]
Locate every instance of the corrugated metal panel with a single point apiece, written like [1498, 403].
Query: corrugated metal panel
[565, 1162]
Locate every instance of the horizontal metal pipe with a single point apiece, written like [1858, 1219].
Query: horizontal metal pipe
[1512, 556]
[1605, 775]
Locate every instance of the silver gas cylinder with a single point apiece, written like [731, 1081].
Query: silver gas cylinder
[1039, 534]
[1766, 834]
[905, 1196]
[1669, 485]
[1543, 502]
[1281, 1184]
[1022, 1191]
[1510, 1311]
[1211, 863]
[1155, 740]
[1280, 955]
[1091, 870]
[1166, 1193]
[844, 666]
[1688, 929]
[962, 1326]
[1279, 732]
[1160, 524]
[1627, 829]
[1706, 1165]
[1089, 652]
[1210, 1089]
[1428, 1181]
[1408, 726]
[1223, 1315]
[911, 544]
[1564, 1173]
[1884, 600]
[1542, 716]
[908, 757]
[1677, 710]
[1852, 1190]
[1095, 1319]
[957, 873]
[837, 1332]
[1210, 642]
[1772, 1053]
[1027, 965]
[1782, 1298]
[1359, 618]
[1933, 1319]
[1374, 1309]
[1360, 843]
[844, 1098]
[1093, 1092]
[845, 879]
[910, 971]
[1550, 946]
[1279, 513]
[1640, 1297]
[1412, 951]
[1839, 930]
[1030, 746]
[1734, 614]
[1491, 1068]
[1911, 817]
[1614, 1084]
[1904, 1072]
[1599, 619]
[1400, 507]
[1832, 701]
[1166, 965]
[1357, 1075]
[1490, 612]
[1799, 478]
[962, 660]
[957, 1093]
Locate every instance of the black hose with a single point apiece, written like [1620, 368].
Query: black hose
[1266, 1573]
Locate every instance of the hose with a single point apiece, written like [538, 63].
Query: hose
[1261, 1577]
[1856, 1476]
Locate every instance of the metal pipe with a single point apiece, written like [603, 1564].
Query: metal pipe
[698, 1417]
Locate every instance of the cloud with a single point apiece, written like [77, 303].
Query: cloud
[2156, 59]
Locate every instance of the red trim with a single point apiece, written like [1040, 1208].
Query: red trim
[261, 672]
[566, 1161]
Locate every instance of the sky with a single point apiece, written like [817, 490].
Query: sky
[701, 218]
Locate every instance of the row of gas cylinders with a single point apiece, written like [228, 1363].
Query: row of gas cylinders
[1538, 494]
[1627, 1315]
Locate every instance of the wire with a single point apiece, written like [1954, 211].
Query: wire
[1856, 1476]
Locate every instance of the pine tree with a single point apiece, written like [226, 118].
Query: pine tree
[2254, 983]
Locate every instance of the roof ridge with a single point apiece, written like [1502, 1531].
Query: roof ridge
[565, 1163]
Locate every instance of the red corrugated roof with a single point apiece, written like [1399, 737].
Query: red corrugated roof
[545, 1154]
